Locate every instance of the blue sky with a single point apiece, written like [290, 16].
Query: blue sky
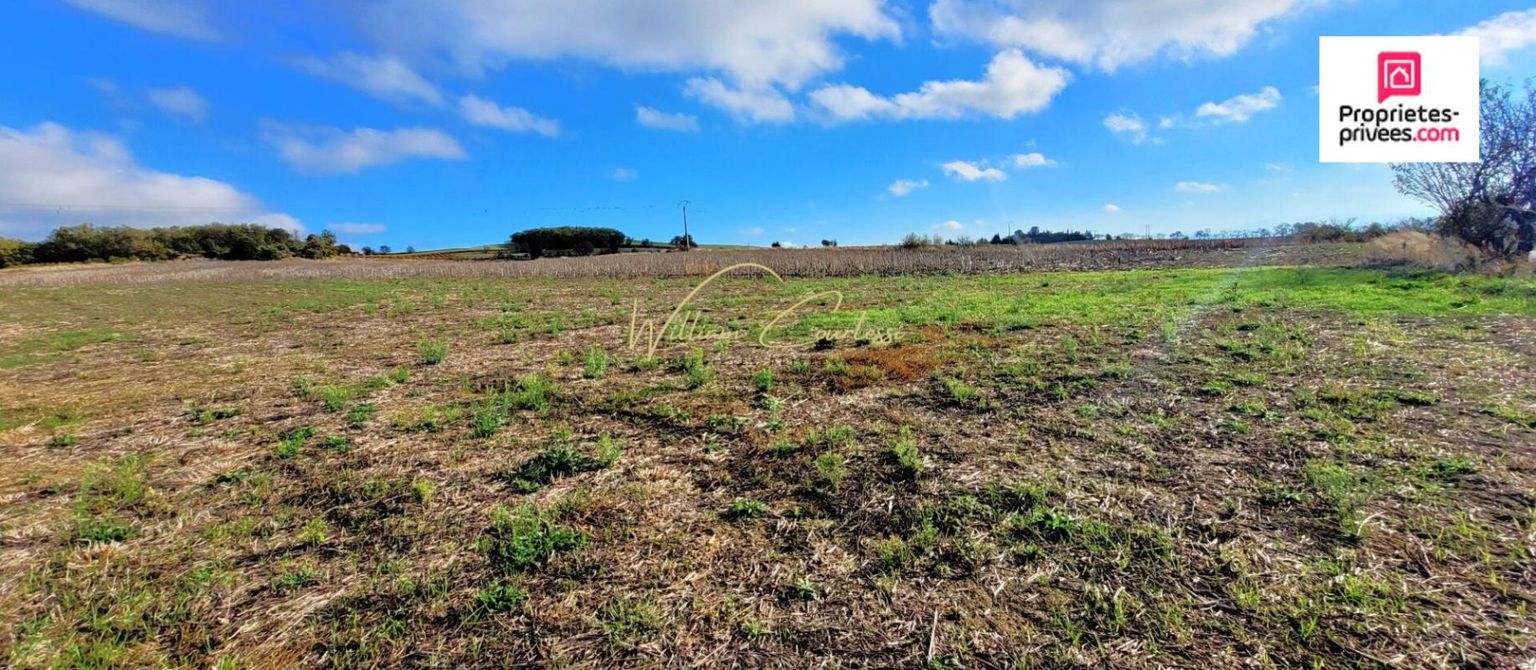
[457, 122]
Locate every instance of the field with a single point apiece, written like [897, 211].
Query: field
[1219, 459]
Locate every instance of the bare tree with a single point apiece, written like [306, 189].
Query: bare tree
[1488, 204]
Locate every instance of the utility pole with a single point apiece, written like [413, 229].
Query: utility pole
[687, 241]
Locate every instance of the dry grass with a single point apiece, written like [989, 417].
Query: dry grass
[1172, 468]
[788, 262]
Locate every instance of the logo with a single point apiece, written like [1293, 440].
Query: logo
[1398, 74]
[1401, 99]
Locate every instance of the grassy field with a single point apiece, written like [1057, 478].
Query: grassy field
[1220, 467]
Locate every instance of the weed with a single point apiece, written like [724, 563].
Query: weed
[831, 468]
[532, 392]
[695, 369]
[762, 380]
[62, 440]
[360, 414]
[903, 449]
[315, 532]
[746, 508]
[595, 363]
[500, 596]
[422, 490]
[1513, 415]
[524, 538]
[561, 460]
[961, 392]
[1449, 469]
[432, 352]
[629, 619]
[804, 589]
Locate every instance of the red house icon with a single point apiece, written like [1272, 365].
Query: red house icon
[1397, 73]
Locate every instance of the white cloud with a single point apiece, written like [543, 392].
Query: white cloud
[654, 118]
[1278, 168]
[50, 171]
[346, 228]
[968, 171]
[1240, 108]
[746, 105]
[1129, 125]
[1111, 208]
[1012, 85]
[950, 225]
[625, 174]
[902, 187]
[327, 150]
[1198, 187]
[383, 77]
[754, 43]
[1110, 33]
[180, 18]
[1504, 34]
[754, 231]
[1031, 160]
[181, 102]
[482, 112]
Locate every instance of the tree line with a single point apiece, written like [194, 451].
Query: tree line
[238, 242]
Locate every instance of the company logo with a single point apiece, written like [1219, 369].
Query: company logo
[1425, 103]
[1398, 74]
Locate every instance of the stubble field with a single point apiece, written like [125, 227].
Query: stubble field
[1250, 466]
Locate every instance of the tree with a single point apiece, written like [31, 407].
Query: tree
[776, 244]
[410, 249]
[320, 246]
[15, 252]
[1490, 204]
[682, 241]
[384, 248]
[367, 251]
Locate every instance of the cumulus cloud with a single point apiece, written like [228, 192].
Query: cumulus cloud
[383, 77]
[1032, 159]
[968, 171]
[1198, 187]
[1504, 34]
[181, 102]
[753, 43]
[92, 177]
[625, 174]
[1012, 85]
[326, 150]
[179, 18]
[651, 117]
[746, 105]
[482, 112]
[1111, 208]
[1129, 125]
[951, 225]
[350, 228]
[1240, 108]
[903, 187]
[1110, 33]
